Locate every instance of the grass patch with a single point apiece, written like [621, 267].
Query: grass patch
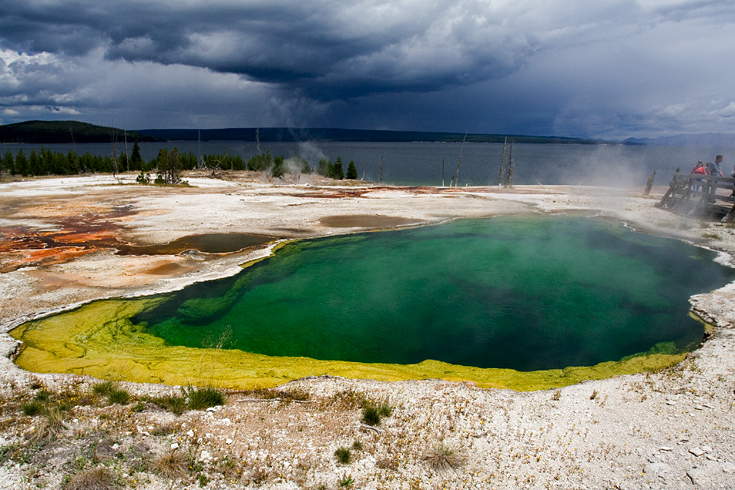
[50, 428]
[200, 398]
[164, 430]
[346, 481]
[32, 408]
[343, 455]
[103, 388]
[174, 404]
[92, 479]
[385, 410]
[42, 396]
[442, 458]
[172, 464]
[121, 397]
[372, 413]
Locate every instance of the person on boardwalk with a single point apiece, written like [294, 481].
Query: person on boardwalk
[716, 168]
[698, 170]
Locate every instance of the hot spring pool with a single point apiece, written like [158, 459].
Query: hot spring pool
[522, 293]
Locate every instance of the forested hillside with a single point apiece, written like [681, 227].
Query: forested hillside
[65, 132]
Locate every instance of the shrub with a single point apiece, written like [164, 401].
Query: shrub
[343, 455]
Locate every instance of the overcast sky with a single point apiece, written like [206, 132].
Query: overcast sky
[589, 68]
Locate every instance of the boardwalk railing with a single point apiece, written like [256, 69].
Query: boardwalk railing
[701, 196]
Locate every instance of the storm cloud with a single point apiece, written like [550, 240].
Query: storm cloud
[612, 68]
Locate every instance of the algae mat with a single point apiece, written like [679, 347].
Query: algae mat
[555, 282]
[86, 341]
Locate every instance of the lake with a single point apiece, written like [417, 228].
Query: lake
[421, 163]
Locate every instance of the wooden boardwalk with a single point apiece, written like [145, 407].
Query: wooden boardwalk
[701, 196]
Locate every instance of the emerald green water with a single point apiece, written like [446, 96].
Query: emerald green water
[522, 293]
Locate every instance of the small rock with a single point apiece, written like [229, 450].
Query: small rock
[700, 477]
[665, 449]
[211, 409]
[728, 467]
[190, 433]
[670, 402]
[229, 441]
[175, 445]
[656, 469]
[697, 451]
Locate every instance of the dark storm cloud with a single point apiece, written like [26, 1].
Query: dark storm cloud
[607, 68]
[327, 49]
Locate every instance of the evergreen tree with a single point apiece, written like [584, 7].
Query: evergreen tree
[337, 172]
[6, 163]
[161, 166]
[21, 164]
[136, 161]
[325, 167]
[174, 170]
[351, 170]
[34, 164]
[73, 163]
[279, 169]
[261, 162]
[123, 161]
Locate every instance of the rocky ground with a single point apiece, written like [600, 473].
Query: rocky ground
[57, 240]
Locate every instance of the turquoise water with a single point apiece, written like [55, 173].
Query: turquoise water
[523, 293]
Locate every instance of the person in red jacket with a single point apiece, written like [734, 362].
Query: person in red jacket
[699, 170]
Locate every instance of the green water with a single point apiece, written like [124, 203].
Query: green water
[522, 293]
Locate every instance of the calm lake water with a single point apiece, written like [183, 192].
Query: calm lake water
[523, 293]
[421, 163]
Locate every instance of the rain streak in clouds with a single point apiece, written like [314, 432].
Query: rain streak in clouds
[606, 69]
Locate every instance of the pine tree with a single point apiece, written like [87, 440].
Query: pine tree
[351, 170]
[136, 161]
[21, 164]
[337, 172]
[325, 167]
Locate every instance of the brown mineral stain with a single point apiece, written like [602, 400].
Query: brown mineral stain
[367, 221]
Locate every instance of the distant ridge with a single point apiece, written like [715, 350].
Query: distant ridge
[64, 132]
[80, 132]
[703, 140]
[348, 135]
